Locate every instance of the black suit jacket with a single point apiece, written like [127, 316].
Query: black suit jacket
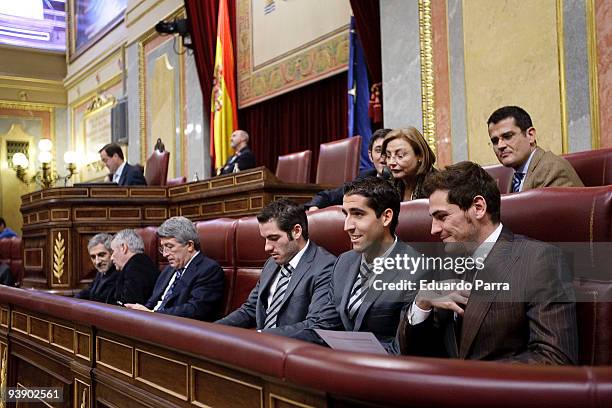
[380, 311]
[132, 176]
[197, 294]
[136, 280]
[305, 296]
[245, 160]
[334, 196]
[102, 288]
[532, 322]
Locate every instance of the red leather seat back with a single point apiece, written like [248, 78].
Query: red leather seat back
[502, 175]
[217, 238]
[594, 166]
[414, 227]
[294, 167]
[177, 181]
[250, 257]
[339, 161]
[326, 228]
[594, 318]
[16, 264]
[156, 170]
[5, 250]
[151, 243]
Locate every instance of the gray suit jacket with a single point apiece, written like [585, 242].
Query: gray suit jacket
[533, 322]
[380, 311]
[305, 295]
[549, 170]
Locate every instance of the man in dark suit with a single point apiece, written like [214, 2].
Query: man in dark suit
[192, 285]
[102, 288]
[121, 172]
[243, 157]
[357, 299]
[520, 307]
[513, 138]
[138, 273]
[293, 284]
[327, 198]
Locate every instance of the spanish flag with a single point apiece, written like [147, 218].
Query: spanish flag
[223, 116]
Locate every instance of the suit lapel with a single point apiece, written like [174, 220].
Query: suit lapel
[373, 295]
[535, 160]
[186, 278]
[498, 265]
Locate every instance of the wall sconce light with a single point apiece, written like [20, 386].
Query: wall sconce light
[45, 177]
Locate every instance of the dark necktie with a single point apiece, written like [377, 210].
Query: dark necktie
[516, 181]
[178, 274]
[359, 290]
[277, 298]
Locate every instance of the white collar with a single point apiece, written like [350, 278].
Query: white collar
[483, 249]
[119, 172]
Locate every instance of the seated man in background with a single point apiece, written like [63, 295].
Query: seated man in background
[192, 285]
[121, 172]
[520, 308]
[102, 288]
[243, 157]
[327, 198]
[513, 138]
[293, 284]
[6, 232]
[138, 273]
[356, 302]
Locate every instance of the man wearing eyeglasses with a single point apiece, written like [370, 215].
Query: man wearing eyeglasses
[192, 285]
[513, 139]
[294, 281]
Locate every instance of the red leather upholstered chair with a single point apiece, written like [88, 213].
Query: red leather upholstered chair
[502, 175]
[326, 228]
[149, 236]
[594, 166]
[294, 167]
[594, 318]
[339, 161]
[156, 170]
[177, 181]
[217, 238]
[16, 264]
[5, 250]
[250, 257]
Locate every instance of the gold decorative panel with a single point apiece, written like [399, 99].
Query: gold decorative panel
[19, 322]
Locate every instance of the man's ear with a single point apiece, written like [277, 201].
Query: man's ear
[296, 231]
[387, 217]
[479, 204]
[531, 135]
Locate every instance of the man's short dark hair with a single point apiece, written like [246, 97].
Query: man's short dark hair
[521, 117]
[111, 149]
[286, 213]
[380, 195]
[464, 181]
[2, 222]
[379, 134]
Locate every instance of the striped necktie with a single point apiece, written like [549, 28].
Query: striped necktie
[178, 274]
[516, 181]
[359, 290]
[277, 298]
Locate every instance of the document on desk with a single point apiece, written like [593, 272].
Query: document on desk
[364, 342]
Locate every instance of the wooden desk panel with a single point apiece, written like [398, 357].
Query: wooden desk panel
[58, 222]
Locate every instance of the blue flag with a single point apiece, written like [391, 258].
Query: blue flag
[358, 97]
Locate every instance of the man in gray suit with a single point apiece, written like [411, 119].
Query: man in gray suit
[293, 284]
[358, 298]
[520, 306]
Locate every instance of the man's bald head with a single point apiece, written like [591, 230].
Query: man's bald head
[239, 140]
